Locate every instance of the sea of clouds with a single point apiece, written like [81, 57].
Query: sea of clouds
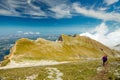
[103, 34]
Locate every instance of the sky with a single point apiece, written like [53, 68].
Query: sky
[99, 19]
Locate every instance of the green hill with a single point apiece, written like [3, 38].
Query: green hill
[67, 48]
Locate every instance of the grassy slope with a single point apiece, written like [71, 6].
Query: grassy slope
[70, 49]
[79, 70]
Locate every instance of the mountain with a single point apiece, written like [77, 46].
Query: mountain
[66, 48]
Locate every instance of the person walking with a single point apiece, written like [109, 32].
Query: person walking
[104, 59]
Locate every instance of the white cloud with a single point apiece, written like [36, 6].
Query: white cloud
[115, 36]
[34, 10]
[103, 8]
[109, 2]
[5, 12]
[101, 29]
[35, 13]
[97, 14]
[55, 9]
[18, 8]
[26, 33]
[61, 11]
[19, 31]
[31, 33]
[28, 8]
[37, 32]
[100, 33]
[53, 3]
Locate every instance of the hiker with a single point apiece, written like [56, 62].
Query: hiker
[104, 58]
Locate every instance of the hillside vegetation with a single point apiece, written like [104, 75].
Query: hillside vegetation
[78, 70]
[69, 48]
[74, 58]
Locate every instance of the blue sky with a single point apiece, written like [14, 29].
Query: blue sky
[58, 16]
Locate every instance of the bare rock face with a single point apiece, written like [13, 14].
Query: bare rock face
[60, 38]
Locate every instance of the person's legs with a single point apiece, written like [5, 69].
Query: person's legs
[104, 62]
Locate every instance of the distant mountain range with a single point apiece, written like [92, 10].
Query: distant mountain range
[65, 48]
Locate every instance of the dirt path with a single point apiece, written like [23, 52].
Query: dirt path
[108, 72]
[14, 64]
[102, 73]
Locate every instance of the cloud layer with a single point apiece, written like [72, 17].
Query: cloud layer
[101, 33]
[97, 14]
[60, 9]
[28, 33]
[109, 2]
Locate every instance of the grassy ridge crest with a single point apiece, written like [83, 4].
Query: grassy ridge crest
[66, 48]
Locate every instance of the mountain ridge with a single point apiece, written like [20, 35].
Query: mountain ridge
[69, 48]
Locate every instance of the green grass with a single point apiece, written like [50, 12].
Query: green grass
[78, 70]
[71, 47]
[5, 62]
